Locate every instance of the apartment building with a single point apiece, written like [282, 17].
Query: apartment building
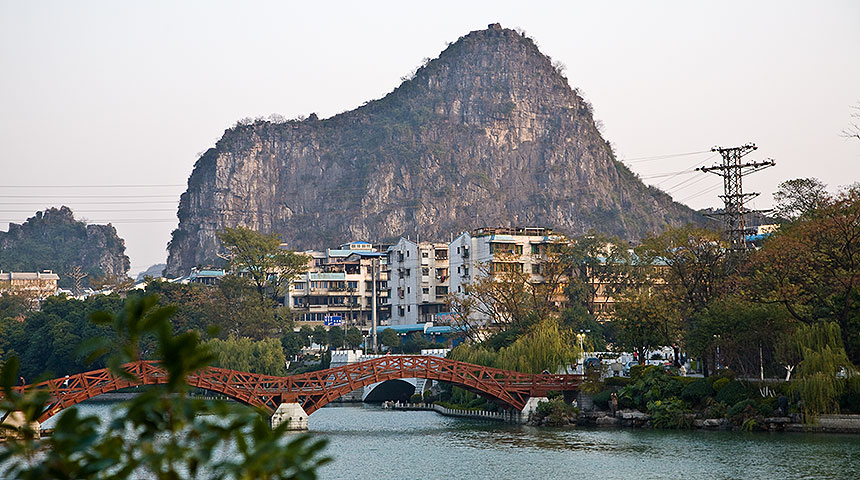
[38, 285]
[338, 287]
[498, 250]
[418, 280]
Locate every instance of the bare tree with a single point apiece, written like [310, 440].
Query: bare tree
[854, 130]
[77, 275]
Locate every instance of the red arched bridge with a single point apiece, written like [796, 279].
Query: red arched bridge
[315, 389]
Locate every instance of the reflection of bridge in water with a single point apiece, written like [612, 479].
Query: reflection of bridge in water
[294, 397]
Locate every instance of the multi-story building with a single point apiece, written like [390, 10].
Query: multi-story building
[338, 287]
[418, 281]
[38, 285]
[491, 250]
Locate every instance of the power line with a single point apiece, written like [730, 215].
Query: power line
[102, 211]
[661, 157]
[94, 186]
[94, 203]
[88, 196]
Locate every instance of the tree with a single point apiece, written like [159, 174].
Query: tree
[853, 131]
[162, 433]
[320, 336]
[307, 333]
[746, 334]
[812, 267]
[389, 338]
[336, 336]
[246, 355]
[261, 259]
[77, 275]
[600, 267]
[292, 343]
[799, 197]
[645, 321]
[823, 358]
[545, 346]
[354, 337]
[689, 267]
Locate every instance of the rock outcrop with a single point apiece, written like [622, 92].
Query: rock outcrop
[54, 240]
[488, 134]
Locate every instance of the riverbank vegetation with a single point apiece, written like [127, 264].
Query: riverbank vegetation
[787, 309]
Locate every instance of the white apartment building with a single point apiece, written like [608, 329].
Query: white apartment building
[338, 287]
[498, 250]
[418, 281]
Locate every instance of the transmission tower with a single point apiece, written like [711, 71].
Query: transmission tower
[732, 171]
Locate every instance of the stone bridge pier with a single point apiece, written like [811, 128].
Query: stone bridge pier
[292, 414]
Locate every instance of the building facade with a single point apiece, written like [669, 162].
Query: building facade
[418, 281]
[338, 287]
[37, 285]
[491, 250]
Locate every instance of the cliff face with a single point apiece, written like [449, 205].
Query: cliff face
[54, 240]
[488, 134]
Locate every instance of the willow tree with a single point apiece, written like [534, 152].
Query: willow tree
[823, 361]
[546, 346]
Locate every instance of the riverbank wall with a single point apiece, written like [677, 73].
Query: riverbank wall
[456, 412]
[636, 419]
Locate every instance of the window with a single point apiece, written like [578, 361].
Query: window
[425, 271]
[408, 308]
[535, 249]
[406, 272]
[352, 285]
[466, 271]
[425, 291]
[425, 254]
[408, 290]
[401, 311]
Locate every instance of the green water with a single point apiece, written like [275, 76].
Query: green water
[367, 442]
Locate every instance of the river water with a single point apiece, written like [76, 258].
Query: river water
[367, 442]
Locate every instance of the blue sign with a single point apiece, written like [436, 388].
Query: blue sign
[332, 320]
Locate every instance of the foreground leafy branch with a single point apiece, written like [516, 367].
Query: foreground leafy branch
[162, 433]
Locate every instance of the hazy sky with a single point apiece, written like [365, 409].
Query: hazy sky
[105, 106]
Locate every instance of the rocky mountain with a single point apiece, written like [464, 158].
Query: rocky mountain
[54, 240]
[488, 134]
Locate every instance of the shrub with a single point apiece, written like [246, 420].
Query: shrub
[476, 403]
[617, 381]
[719, 383]
[725, 373]
[602, 399]
[653, 384]
[714, 409]
[669, 413]
[697, 391]
[850, 399]
[415, 398]
[748, 414]
[429, 397]
[732, 393]
[636, 371]
[555, 412]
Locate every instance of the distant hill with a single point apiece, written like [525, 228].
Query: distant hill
[153, 271]
[488, 134]
[54, 240]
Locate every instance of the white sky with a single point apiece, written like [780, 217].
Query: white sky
[96, 94]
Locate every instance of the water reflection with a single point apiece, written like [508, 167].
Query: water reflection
[367, 442]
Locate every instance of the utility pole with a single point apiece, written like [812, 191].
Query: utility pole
[732, 171]
[374, 264]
